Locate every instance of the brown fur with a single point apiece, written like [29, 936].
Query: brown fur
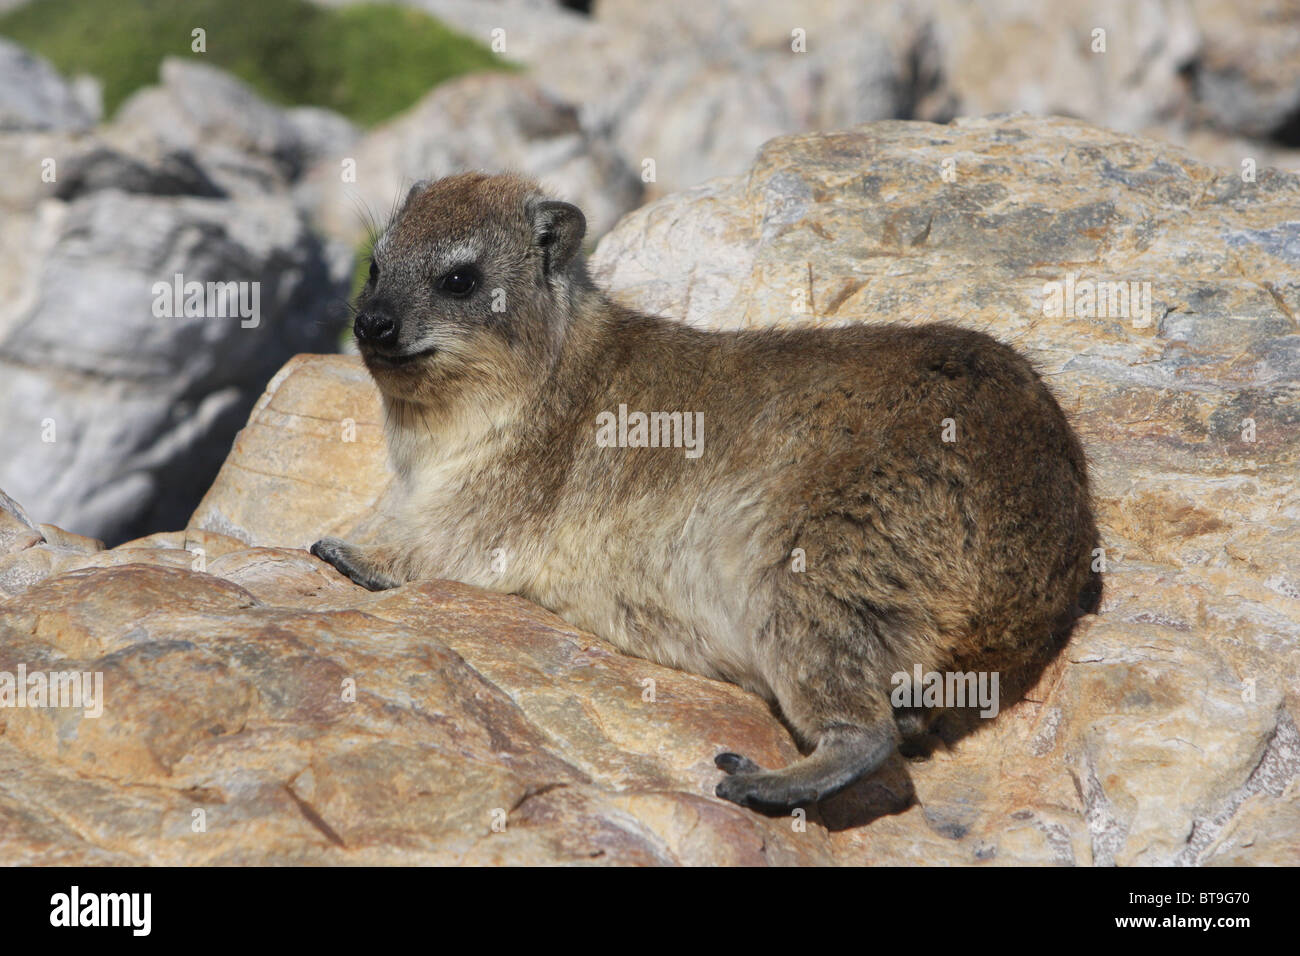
[952, 555]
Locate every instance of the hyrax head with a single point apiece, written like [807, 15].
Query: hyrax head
[470, 286]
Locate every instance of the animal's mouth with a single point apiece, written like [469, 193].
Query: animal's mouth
[374, 357]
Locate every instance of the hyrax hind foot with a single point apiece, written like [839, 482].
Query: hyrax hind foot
[843, 755]
[357, 563]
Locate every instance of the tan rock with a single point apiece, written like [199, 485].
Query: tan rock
[297, 718]
[308, 463]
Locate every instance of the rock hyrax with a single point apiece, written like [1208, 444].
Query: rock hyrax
[806, 513]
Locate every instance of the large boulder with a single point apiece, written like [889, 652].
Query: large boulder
[251, 690]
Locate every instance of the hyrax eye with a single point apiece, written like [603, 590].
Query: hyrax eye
[374, 271]
[460, 281]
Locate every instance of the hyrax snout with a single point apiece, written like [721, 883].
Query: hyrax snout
[808, 513]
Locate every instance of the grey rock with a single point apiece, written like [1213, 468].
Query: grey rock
[33, 96]
[119, 417]
[176, 174]
[244, 144]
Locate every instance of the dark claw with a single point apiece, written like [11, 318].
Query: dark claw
[735, 763]
[334, 553]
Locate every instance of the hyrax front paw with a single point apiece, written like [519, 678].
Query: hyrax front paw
[350, 562]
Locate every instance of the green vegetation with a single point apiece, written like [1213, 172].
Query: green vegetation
[368, 62]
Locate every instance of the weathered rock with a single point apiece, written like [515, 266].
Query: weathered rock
[267, 710]
[176, 174]
[1120, 63]
[309, 463]
[118, 415]
[33, 96]
[105, 396]
[1219, 77]
[481, 121]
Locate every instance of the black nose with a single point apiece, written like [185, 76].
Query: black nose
[376, 327]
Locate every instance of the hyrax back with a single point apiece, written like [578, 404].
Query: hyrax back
[829, 508]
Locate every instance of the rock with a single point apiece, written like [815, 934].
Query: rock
[1265, 831]
[118, 416]
[17, 530]
[177, 174]
[488, 120]
[698, 88]
[1205, 74]
[244, 144]
[309, 463]
[1246, 79]
[33, 96]
[1165, 733]
[1050, 59]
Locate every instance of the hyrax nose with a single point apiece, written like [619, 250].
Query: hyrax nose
[377, 327]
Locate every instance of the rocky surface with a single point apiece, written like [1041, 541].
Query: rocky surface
[116, 414]
[1164, 734]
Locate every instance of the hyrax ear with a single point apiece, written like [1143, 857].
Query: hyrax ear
[558, 228]
[413, 193]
